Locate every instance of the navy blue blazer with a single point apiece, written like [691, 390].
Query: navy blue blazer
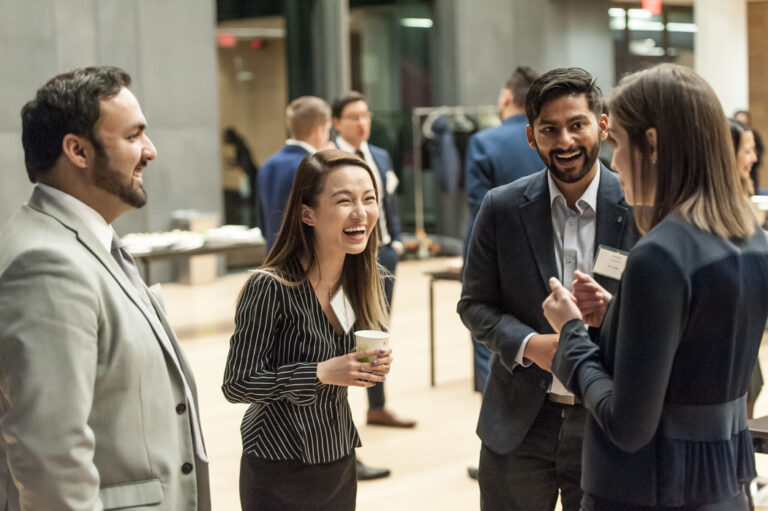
[497, 156]
[275, 179]
[391, 208]
[510, 261]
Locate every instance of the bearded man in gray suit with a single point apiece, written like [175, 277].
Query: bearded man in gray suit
[97, 402]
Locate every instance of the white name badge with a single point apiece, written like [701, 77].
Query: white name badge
[342, 307]
[610, 262]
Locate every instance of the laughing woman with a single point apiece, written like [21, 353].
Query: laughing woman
[666, 386]
[291, 356]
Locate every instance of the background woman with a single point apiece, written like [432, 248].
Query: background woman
[667, 384]
[290, 356]
[744, 147]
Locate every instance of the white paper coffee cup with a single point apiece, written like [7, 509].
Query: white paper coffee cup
[369, 339]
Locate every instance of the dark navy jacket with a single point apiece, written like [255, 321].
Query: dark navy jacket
[275, 179]
[497, 156]
[511, 258]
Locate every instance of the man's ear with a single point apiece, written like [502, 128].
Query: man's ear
[650, 137]
[307, 215]
[76, 149]
[529, 134]
[335, 121]
[602, 121]
[506, 97]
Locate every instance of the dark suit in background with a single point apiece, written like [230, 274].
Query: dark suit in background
[495, 156]
[275, 179]
[388, 256]
[511, 257]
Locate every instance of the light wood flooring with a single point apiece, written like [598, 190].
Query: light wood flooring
[429, 463]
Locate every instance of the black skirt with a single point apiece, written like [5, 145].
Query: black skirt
[292, 485]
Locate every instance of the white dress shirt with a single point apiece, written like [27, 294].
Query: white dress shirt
[574, 246]
[92, 219]
[305, 145]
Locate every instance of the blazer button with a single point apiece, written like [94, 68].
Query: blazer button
[181, 408]
[186, 468]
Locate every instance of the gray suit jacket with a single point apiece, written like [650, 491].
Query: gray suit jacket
[92, 407]
[509, 263]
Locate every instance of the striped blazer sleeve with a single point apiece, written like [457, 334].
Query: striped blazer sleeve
[251, 375]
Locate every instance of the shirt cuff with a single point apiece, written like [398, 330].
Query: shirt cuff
[519, 358]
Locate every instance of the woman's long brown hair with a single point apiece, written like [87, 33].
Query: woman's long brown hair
[361, 276]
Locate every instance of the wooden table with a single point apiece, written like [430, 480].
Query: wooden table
[215, 249]
[758, 428]
[433, 277]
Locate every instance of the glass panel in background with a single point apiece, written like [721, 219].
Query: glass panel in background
[642, 39]
[390, 48]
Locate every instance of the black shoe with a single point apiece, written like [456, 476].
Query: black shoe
[366, 473]
[472, 471]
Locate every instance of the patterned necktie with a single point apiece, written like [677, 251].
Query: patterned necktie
[128, 265]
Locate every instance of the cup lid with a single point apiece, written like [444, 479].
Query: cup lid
[376, 334]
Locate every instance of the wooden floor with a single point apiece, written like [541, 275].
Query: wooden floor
[428, 463]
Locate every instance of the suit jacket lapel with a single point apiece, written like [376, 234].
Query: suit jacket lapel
[536, 218]
[612, 217]
[40, 201]
[173, 342]
[381, 167]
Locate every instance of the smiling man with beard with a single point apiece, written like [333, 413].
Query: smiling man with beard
[98, 407]
[549, 224]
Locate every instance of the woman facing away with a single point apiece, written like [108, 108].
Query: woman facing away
[666, 385]
[291, 356]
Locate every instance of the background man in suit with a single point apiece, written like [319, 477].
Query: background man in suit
[548, 224]
[497, 156]
[309, 122]
[97, 402]
[352, 120]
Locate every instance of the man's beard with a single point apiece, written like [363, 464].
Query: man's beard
[571, 177]
[113, 182]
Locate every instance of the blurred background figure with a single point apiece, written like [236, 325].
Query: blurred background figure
[241, 203]
[309, 124]
[745, 118]
[746, 159]
[497, 156]
[352, 120]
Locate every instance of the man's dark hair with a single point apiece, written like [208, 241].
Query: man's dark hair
[558, 83]
[520, 82]
[68, 103]
[342, 101]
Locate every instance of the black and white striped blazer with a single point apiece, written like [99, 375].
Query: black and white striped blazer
[281, 333]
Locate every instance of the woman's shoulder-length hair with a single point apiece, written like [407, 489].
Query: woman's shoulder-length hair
[695, 172]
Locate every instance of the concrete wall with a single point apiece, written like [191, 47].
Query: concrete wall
[494, 36]
[169, 49]
[720, 54]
